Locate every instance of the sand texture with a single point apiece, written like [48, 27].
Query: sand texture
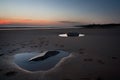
[96, 56]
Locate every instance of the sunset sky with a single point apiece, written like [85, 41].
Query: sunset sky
[59, 12]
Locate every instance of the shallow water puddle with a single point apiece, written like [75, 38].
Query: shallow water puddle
[39, 62]
[71, 35]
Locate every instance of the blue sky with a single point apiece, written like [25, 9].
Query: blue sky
[83, 11]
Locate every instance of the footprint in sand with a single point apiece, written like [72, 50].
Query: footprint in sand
[56, 45]
[81, 51]
[61, 46]
[46, 44]
[89, 59]
[67, 79]
[11, 73]
[1, 54]
[114, 58]
[10, 51]
[85, 78]
[1, 70]
[99, 78]
[101, 62]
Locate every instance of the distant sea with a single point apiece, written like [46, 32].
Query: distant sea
[33, 27]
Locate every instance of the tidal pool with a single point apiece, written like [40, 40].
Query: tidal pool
[23, 60]
[71, 35]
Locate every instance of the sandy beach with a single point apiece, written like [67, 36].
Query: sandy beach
[95, 56]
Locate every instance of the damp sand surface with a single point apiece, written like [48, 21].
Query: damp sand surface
[94, 56]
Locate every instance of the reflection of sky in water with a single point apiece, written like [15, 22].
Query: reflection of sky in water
[22, 60]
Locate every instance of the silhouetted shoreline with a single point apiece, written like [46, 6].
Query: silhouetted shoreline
[99, 26]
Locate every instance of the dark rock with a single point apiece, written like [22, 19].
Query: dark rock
[47, 55]
[73, 34]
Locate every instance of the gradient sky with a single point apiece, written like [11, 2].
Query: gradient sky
[56, 12]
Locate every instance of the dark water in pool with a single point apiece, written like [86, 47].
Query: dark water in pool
[22, 60]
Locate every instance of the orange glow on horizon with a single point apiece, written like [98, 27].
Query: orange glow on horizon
[5, 21]
[26, 21]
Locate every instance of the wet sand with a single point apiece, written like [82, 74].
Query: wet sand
[96, 56]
